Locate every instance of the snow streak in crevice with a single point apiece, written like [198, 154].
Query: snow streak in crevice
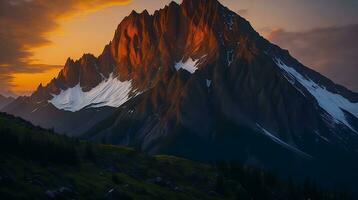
[230, 57]
[282, 143]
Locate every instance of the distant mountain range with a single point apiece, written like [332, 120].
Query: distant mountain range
[196, 80]
[4, 101]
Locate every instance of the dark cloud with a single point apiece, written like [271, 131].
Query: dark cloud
[25, 25]
[5, 79]
[332, 51]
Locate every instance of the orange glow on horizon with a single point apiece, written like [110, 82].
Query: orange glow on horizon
[76, 28]
[25, 83]
[75, 35]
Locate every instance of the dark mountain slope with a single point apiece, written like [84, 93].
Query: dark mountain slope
[47, 116]
[37, 164]
[224, 92]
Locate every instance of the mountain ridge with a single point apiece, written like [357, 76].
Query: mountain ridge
[88, 64]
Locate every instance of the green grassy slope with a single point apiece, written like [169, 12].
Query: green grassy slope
[38, 164]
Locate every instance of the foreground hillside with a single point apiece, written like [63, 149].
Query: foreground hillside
[37, 164]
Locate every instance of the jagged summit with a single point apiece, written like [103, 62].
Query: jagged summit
[142, 43]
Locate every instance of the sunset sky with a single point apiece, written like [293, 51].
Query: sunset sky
[37, 36]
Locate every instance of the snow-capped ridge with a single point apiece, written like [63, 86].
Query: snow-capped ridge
[334, 104]
[110, 92]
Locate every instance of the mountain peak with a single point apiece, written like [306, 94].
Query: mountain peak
[142, 43]
[175, 45]
[173, 3]
[200, 5]
[134, 13]
[199, 2]
[88, 56]
[69, 62]
[144, 12]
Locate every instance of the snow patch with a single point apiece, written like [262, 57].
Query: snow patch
[34, 110]
[111, 92]
[189, 65]
[208, 83]
[282, 143]
[230, 57]
[334, 104]
[322, 137]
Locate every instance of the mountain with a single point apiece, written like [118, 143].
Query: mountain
[196, 80]
[4, 101]
[37, 164]
[46, 115]
[57, 115]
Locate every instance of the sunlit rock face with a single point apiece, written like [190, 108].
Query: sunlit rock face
[146, 48]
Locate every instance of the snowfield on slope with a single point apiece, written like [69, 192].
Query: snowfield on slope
[334, 104]
[110, 92]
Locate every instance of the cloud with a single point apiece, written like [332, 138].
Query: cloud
[332, 51]
[25, 24]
